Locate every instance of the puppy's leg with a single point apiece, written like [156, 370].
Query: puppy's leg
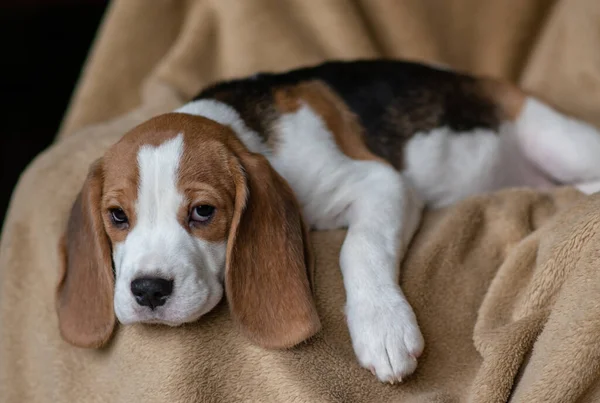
[382, 218]
[566, 149]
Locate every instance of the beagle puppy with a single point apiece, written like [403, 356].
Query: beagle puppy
[218, 198]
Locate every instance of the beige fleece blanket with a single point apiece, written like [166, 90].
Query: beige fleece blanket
[506, 287]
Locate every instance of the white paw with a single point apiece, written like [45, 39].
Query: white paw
[385, 335]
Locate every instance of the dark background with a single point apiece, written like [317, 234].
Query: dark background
[43, 46]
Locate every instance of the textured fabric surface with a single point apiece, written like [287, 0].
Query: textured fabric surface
[505, 286]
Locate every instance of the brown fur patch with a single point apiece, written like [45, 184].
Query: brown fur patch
[286, 99]
[509, 98]
[84, 298]
[269, 261]
[339, 119]
[205, 177]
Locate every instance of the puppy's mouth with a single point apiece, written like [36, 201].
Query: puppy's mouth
[161, 322]
[158, 317]
[171, 314]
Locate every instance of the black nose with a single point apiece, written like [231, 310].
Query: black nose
[151, 291]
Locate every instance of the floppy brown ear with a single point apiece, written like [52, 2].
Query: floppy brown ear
[268, 259]
[84, 298]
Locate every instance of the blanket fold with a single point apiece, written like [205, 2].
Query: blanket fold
[505, 286]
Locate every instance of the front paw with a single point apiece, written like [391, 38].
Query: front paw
[385, 335]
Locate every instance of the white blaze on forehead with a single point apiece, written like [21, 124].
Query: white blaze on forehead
[158, 196]
[157, 203]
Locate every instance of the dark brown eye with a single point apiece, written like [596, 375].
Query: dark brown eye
[202, 214]
[118, 217]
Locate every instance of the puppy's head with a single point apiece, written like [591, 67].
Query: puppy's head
[173, 213]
